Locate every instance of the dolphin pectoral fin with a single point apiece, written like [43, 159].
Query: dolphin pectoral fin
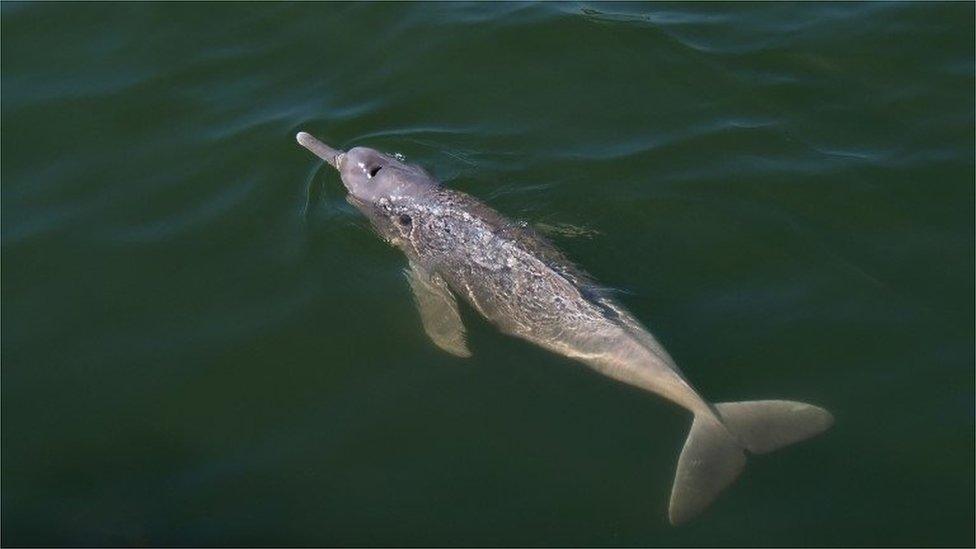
[438, 311]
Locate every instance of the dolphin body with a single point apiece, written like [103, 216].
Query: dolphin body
[456, 245]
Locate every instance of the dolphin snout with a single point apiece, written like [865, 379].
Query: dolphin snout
[332, 156]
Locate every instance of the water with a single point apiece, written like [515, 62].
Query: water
[203, 344]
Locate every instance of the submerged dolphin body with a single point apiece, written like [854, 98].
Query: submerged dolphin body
[457, 245]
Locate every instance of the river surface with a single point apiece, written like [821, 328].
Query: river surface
[204, 344]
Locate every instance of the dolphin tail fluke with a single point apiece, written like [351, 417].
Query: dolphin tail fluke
[767, 425]
[714, 454]
[710, 461]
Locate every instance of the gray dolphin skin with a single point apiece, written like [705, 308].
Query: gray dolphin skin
[458, 246]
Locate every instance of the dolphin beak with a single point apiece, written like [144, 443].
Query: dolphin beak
[332, 156]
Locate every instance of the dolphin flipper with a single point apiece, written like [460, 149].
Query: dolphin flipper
[438, 311]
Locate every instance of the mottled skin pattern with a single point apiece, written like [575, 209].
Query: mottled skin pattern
[525, 286]
[458, 246]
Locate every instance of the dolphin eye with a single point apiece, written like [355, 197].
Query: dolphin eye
[373, 171]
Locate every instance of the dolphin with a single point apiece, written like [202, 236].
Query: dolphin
[458, 246]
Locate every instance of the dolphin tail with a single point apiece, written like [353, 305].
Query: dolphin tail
[715, 452]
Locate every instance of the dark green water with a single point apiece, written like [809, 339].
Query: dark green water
[203, 344]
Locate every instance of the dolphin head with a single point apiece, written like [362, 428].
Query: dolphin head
[371, 176]
[385, 189]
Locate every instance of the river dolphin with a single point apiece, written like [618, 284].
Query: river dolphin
[456, 245]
